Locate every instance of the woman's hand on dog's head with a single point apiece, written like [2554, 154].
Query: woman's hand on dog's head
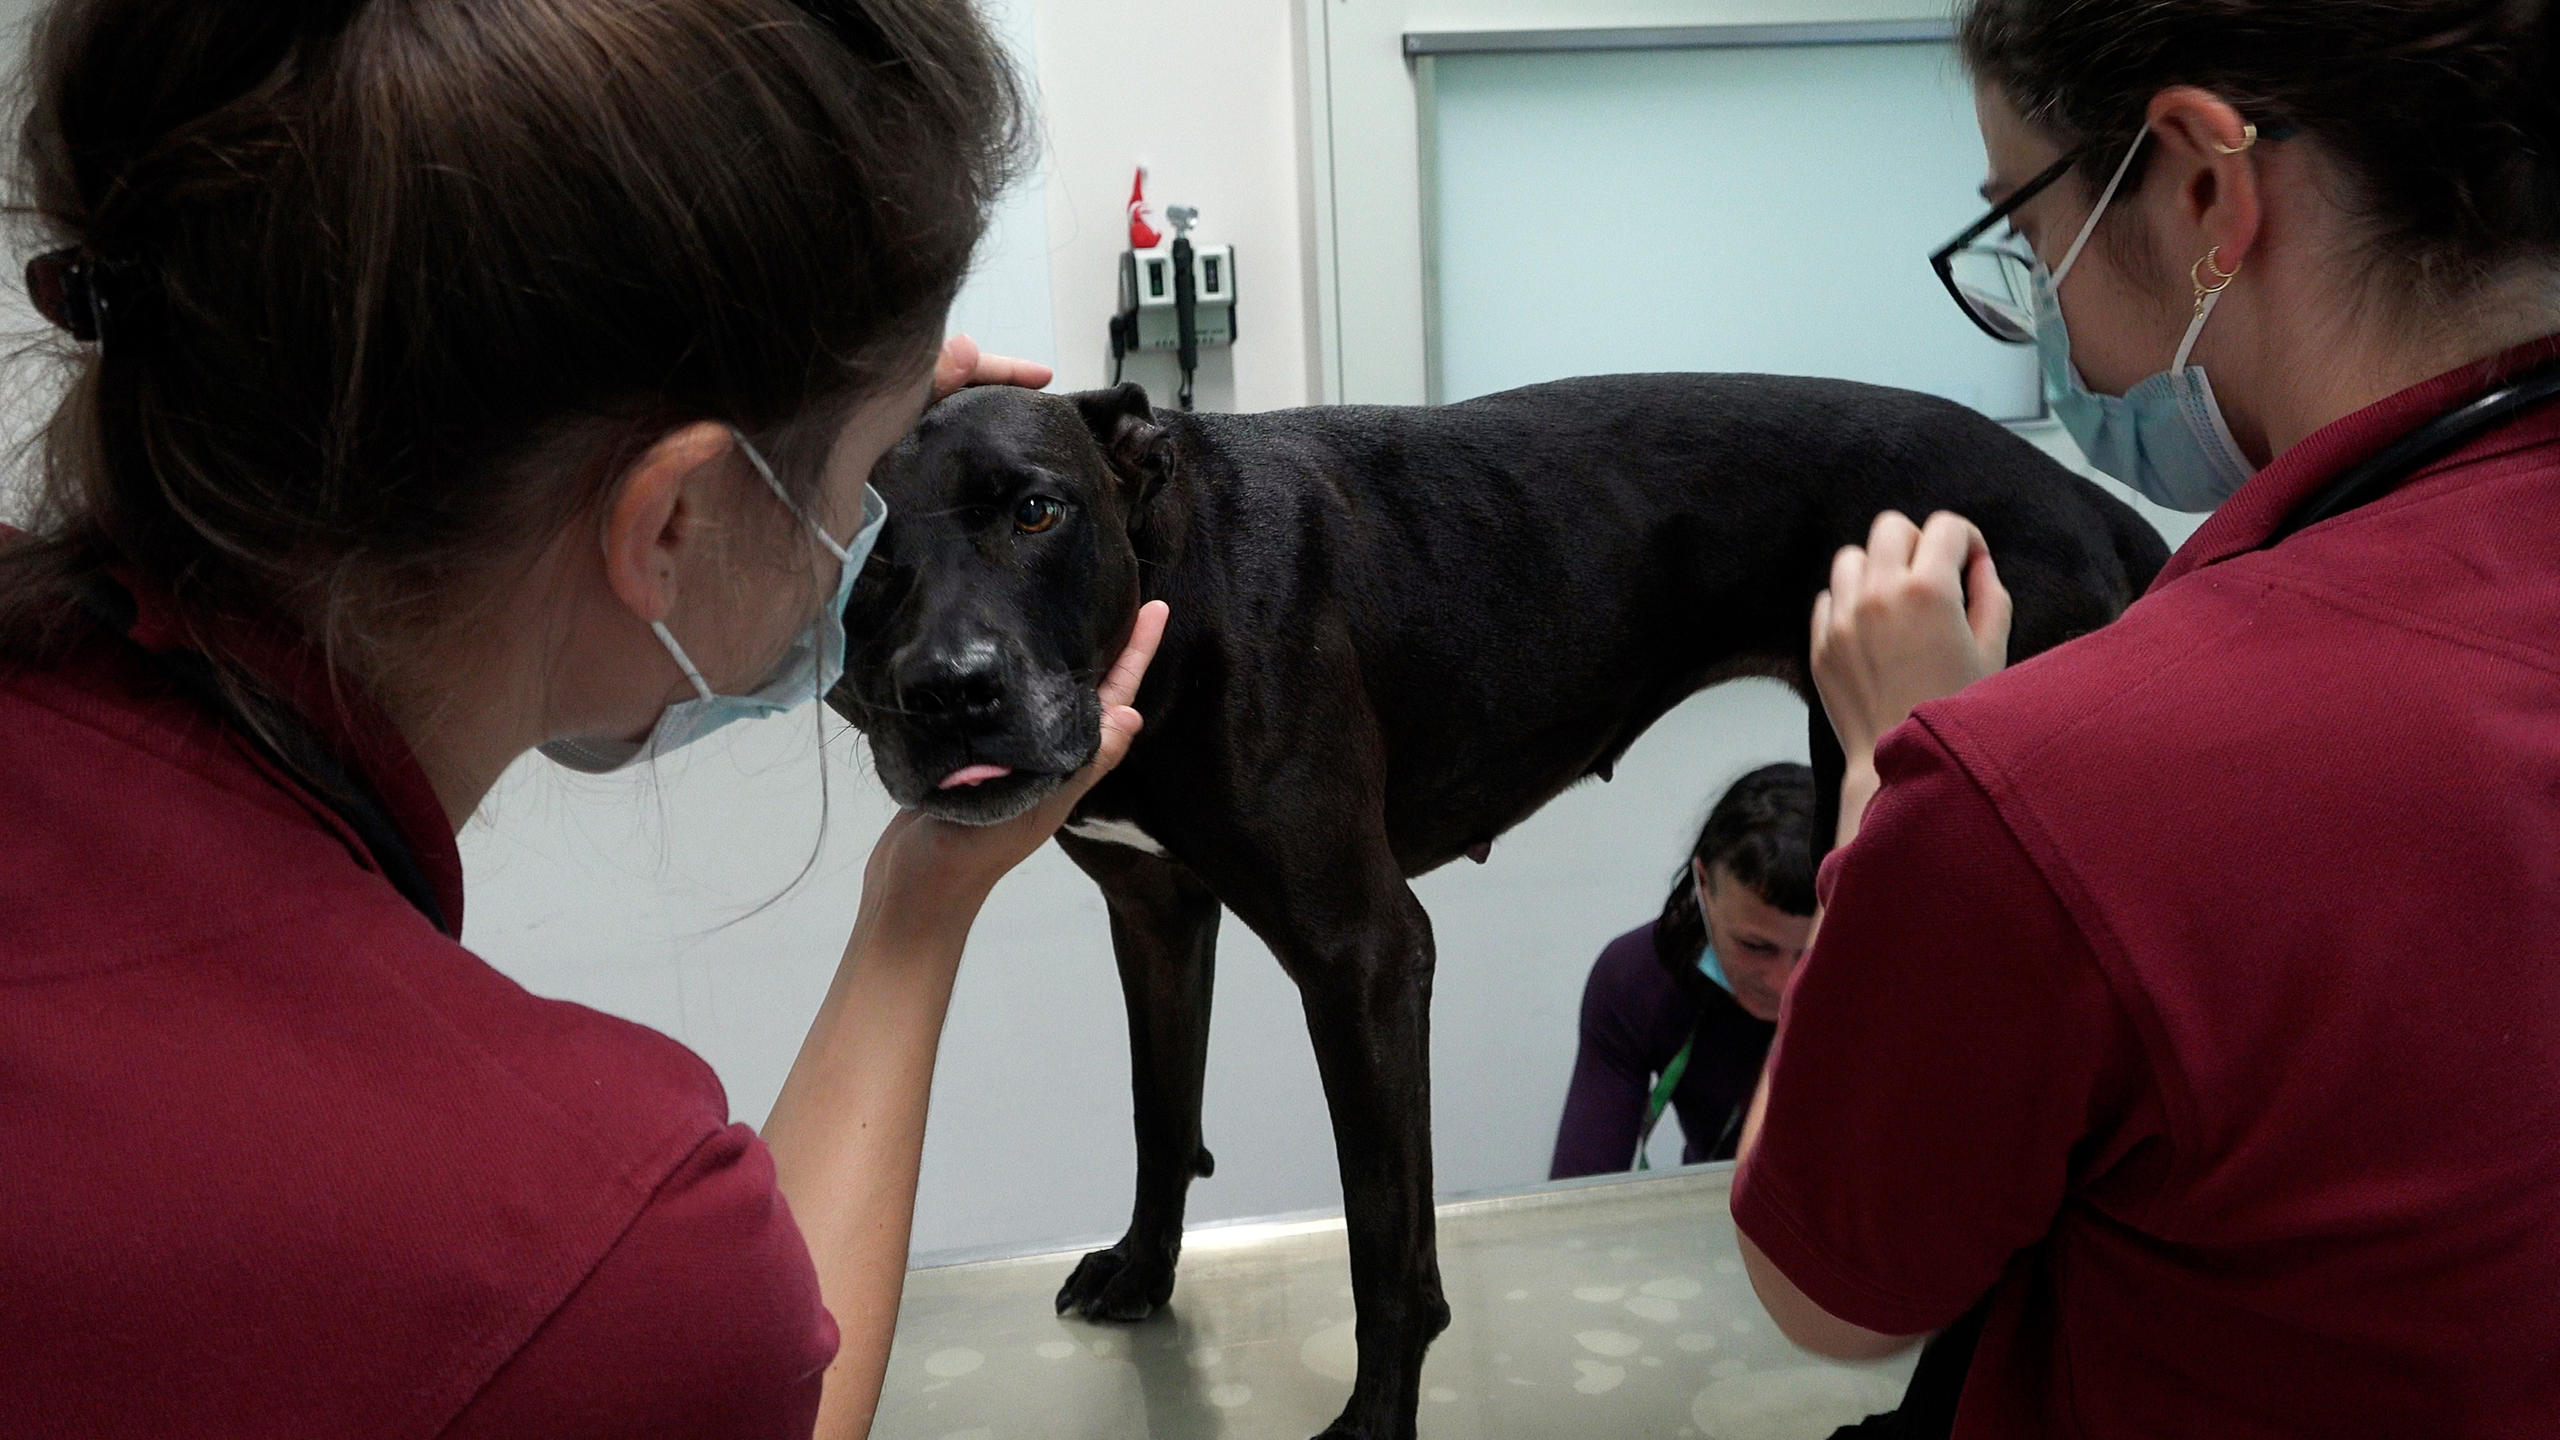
[963, 364]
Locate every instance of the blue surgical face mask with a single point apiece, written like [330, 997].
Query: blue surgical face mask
[1708, 964]
[2166, 436]
[1713, 968]
[807, 671]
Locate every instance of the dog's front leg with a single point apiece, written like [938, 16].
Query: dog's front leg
[1164, 932]
[1830, 764]
[1364, 974]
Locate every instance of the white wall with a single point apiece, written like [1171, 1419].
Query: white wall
[1007, 306]
[1206, 95]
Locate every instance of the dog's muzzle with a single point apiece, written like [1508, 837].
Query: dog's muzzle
[969, 734]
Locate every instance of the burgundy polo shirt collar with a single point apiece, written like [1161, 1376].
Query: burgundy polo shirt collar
[2246, 520]
[393, 823]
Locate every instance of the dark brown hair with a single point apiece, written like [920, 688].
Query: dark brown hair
[394, 287]
[2444, 114]
[1761, 832]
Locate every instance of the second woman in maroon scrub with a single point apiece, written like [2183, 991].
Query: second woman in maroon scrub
[2192, 991]
[444, 381]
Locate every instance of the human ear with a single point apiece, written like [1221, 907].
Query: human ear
[658, 517]
[2208, 156]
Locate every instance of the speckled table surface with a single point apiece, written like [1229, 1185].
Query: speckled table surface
[1606, 1309]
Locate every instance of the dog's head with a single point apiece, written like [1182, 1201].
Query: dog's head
[1001, 588]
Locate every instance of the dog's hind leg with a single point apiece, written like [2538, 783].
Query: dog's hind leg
[1359, 946]
[1164, 932]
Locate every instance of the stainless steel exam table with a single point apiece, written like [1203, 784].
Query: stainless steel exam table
[1586, 1309]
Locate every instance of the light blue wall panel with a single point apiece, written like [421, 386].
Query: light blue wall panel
[1709, 209]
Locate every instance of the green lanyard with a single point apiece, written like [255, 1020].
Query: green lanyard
[1661, 1100]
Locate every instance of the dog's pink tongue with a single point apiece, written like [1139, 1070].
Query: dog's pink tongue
[975, 775]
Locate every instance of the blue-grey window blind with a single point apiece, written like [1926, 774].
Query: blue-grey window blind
[1749, 207]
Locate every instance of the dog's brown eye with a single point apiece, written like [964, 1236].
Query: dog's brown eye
[1037, 513]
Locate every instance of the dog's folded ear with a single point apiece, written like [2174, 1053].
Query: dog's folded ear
[1124, 425]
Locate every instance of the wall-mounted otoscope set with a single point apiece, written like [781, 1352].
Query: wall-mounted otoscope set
[1175, 295]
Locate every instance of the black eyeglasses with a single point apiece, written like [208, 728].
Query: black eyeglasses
[1994, 281]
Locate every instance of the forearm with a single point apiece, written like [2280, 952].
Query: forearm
[1857, 790]
[1603, 1114]
[1749, 1139]
[1795, 1313]
[847, 1132]
[1858, 787]
[847, 1136]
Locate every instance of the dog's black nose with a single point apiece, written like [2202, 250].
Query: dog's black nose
[956, 684]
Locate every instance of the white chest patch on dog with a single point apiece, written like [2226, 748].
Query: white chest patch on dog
[1116, 832]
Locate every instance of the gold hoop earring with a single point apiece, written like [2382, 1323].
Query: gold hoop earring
[2248, 137]
[2210, 260]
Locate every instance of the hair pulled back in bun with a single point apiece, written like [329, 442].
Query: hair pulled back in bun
[2444, 113]
[386, 287]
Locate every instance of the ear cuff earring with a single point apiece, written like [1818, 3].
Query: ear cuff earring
[2248, 137]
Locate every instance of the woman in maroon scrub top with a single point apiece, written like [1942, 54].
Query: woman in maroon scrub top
[448, 380]
[2192, 992]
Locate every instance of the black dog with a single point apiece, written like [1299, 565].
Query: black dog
[1396, 633]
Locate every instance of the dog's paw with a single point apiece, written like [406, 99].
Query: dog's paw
[1359, 1421]
[1345, 1430]
[1109, 1285]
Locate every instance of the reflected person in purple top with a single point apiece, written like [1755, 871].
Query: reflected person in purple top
[1689, 1003]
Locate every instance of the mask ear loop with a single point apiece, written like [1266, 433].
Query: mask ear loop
[774, 483]
[2106, 197]
[667, 638]
[683, 661]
